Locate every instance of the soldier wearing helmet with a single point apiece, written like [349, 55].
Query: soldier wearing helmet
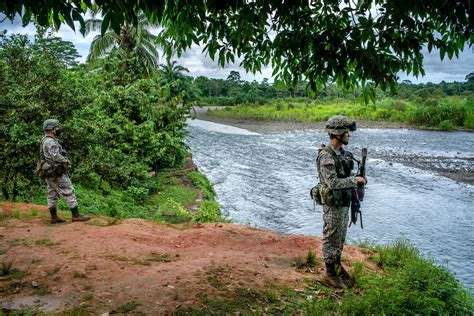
[56, 173]
[335, 166]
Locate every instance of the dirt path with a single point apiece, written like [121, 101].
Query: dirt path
[107, 267]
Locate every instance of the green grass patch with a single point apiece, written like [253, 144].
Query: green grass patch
[200, 181]
[164, 197]
[126, 308]
[442, 113]
[407, 284]
[8, 271]
[45, 242]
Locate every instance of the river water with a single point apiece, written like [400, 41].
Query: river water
[264, 180]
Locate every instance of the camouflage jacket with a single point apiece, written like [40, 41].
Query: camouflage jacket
[51, 150]
[328, 173]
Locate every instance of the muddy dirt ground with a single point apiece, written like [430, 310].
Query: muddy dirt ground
[102, 265]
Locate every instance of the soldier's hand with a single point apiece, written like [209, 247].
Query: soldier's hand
[361, 180]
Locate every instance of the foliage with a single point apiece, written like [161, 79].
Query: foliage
[27, 99]
[370, 47]
[136, 40]
[449, 113]
[117, 126]
[172, 71]
[407, 285]
[128, 131]
[200, 181]
[209, 211]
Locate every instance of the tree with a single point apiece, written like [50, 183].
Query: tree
[63, 51]
[171, 71]
[133, 40]
[349, 42]
[470, 76]
[234, 77]
[34, 85]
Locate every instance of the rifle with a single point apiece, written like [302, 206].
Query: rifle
[359, 191]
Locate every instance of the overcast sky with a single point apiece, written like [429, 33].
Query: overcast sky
[201, 65]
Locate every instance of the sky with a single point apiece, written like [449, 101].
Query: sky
[200, 64]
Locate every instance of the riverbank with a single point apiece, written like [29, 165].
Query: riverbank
[452, 113]
[270, 127]
[141, 267]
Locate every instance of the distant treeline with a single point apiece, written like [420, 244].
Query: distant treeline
[234, 90]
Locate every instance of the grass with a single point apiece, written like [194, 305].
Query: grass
[45, 242]
[165, 197]
[8, 271]
[309, 263]
[126, 308]
[405, 284]
[445, 113]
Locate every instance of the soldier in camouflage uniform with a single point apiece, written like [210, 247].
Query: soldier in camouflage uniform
[59, 184]
[334, 168]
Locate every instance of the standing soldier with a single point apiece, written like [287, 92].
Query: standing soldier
[334, 168]
[55, 171]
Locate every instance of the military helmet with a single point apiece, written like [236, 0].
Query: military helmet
[50, 124]
[338, 125]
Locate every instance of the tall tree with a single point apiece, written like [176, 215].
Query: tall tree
[132, 39]
[172, 71]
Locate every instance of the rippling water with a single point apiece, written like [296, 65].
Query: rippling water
[264, 180]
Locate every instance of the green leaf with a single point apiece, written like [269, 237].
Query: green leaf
[105, 24]
[69, 21]
[26, 17]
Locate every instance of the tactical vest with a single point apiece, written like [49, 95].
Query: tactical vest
[344, 165]
[49, 169]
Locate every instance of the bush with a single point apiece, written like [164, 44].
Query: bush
[115, 134]
[446, 125]
[430, 102]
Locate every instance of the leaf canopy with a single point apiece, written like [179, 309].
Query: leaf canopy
[350, 42]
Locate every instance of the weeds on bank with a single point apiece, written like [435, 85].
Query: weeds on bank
[442, 113]
[407, 284]
[166, 199]
[309, 264]
[45, 242]
[8, 271]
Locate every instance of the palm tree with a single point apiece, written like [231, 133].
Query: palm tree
[171, 71]
[132, 39]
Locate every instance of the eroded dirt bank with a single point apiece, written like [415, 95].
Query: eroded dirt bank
[101, 266]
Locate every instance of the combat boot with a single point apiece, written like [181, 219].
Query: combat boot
[331, 276]
[341, 272]
[54, 216]
[76, 217]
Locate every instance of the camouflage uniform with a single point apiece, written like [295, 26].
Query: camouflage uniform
[335, 218]
[61, 185]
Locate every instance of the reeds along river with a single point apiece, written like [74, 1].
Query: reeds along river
[264, 180]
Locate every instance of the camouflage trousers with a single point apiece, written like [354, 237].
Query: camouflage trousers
[334, 232]
[61, 186]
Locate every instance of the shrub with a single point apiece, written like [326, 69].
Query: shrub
[430, 102]
[446, 125]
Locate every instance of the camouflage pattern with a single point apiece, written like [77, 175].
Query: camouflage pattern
[61, 186]
[49, 124]
[58, 186]
[335, 124]
[335, 219]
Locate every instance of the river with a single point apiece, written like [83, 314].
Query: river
[264, 180]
